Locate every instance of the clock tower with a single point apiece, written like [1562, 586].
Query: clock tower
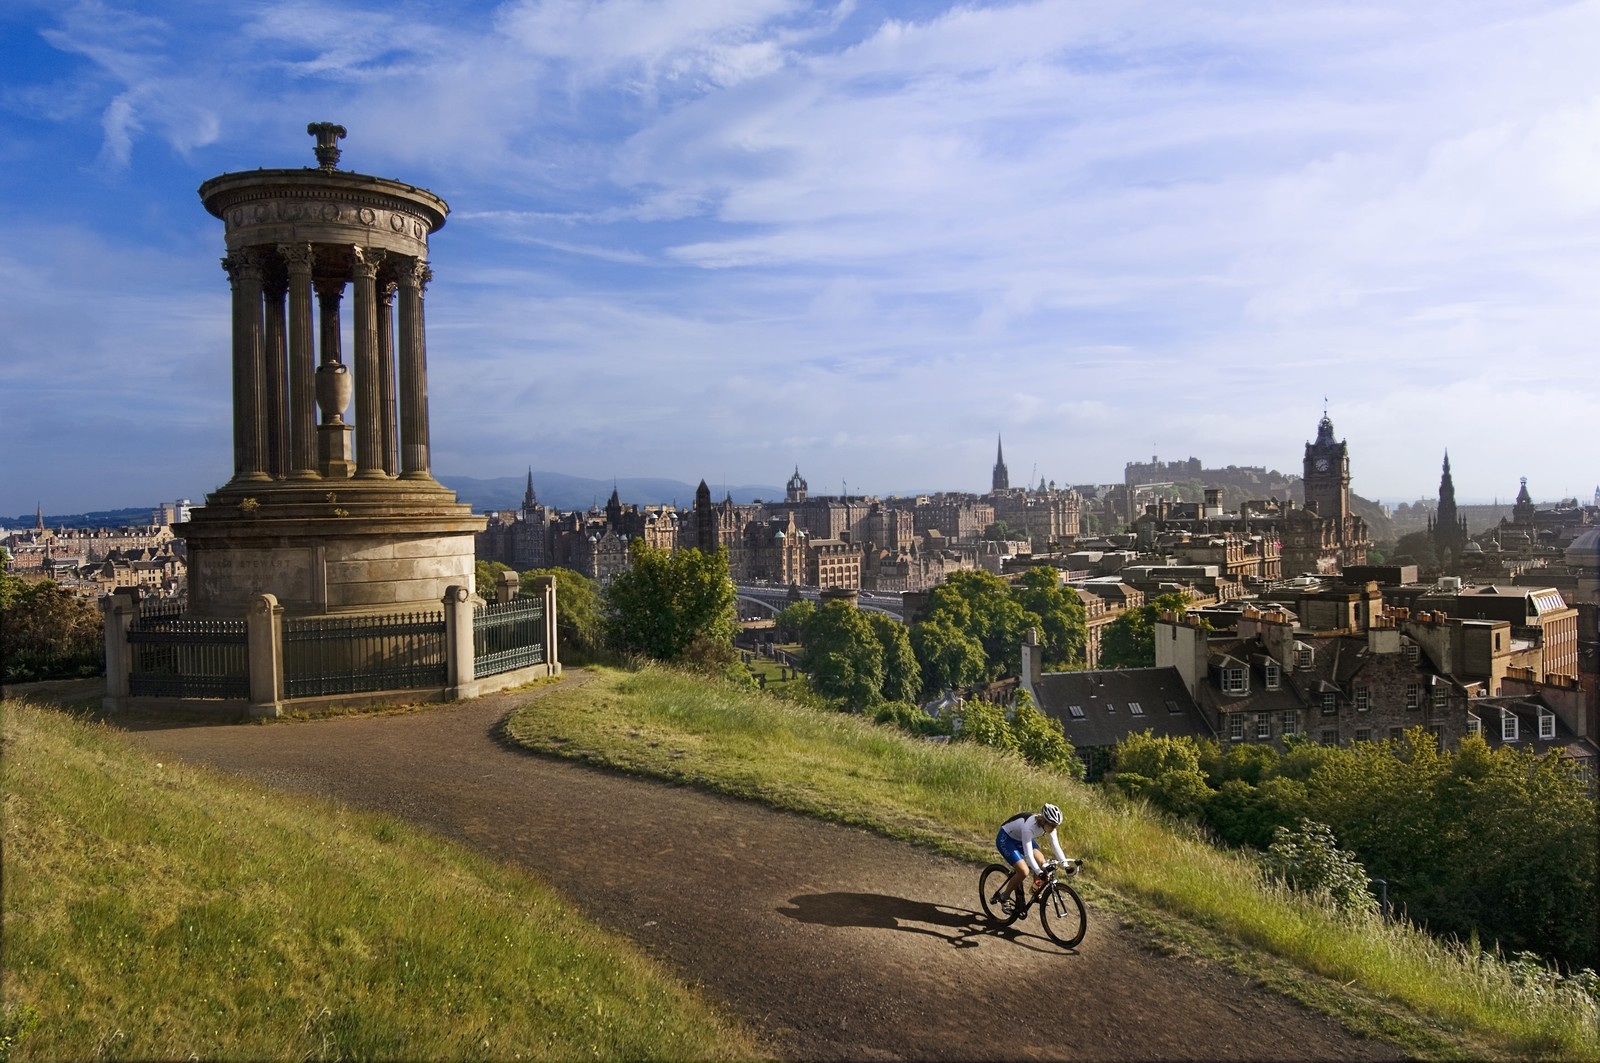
[1327, 473]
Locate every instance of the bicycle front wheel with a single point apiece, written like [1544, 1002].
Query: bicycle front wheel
[990, 882]
[1063, 915]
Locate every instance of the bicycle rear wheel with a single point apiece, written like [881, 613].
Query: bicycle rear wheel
[990, 882]
[1063, 915]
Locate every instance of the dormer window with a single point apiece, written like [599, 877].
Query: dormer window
[1274, 676]
[1411, 652]
[1075, 711]
[1235, 681]
[1508, 725]
[1135, 709]
[1303, 657]
[1547, 724]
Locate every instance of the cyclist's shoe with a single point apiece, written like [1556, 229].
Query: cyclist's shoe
[1020, 905]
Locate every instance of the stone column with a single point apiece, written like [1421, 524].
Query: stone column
[413, 354]
[386, 381]
[264, 638]
[302, 364]
[121, 608]
[460, 653]
[249, 426]
[369, 420]
[333, 388]
[275, 349]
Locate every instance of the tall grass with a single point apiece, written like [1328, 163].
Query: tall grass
[1436, 999]
[157, 911]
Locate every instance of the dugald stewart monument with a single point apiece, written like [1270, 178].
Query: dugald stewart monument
[332, 567]
[339, 514]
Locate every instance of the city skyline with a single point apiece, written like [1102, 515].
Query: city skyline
[717, 241]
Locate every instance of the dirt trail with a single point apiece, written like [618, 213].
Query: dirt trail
[831, 942]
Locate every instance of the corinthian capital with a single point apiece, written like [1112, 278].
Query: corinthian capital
[298, 257]
[364, 261]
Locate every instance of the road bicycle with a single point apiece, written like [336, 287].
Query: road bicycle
[1061, 910]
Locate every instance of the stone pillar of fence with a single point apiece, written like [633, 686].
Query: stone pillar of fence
[505, 586]
[545, 586]
[264, 637]
[121, 609]
[460, 654]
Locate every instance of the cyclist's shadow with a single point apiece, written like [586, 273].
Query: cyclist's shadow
[961, 927]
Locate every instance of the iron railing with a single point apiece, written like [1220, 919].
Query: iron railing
[177, 658]
[358, 654]
[507, 636]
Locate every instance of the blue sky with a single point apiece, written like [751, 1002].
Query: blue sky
[722, 238]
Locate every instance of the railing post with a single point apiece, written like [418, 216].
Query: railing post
[460, 655]
[546, 586]
[120, 607]
[264, 641]
[505, 586]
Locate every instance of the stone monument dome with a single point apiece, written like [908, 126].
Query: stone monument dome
[331, 508]
[1583, 561]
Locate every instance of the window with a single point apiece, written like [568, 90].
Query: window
[1474, 724]
[1111, 708]
[1496, 639]
[1547, 724]
[1413, 695]
[1363, 699]
[1363, 734]
[1291, 721]
[1236, 727]
[1411, 652]
[1235, 681]
[1304, 657]
[1440, 695]
[1330, 737]
[1075, 711]
[1394, 734]
[1330, 702]
[1263, 725]
[1135, 709]
[1274, 677]
[1173, 706]
[1508, 725]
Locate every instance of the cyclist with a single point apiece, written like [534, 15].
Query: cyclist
[1016, 842]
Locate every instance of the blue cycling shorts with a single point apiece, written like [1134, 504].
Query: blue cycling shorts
[1009, 847]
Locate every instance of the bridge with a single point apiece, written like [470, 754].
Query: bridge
[774, 599]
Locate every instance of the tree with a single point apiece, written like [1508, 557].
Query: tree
[1164, 771]
[949, 658]
[1040, 739]
[842, 655]
[1415, 548]
[1057, 612]
[1309, 859]
[485, 575]
[902, 675]
[580, 621]
[792, 618]
[985, 723]
[979, 606]
[47, 632]
[1130, 640]
[673, 606]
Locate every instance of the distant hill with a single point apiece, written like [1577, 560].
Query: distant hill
[1241, 484]
[104, 518]
[560, 491]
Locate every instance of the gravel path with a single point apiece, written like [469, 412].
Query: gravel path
[832, 943]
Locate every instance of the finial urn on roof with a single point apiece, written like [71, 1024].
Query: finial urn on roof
[328, 135]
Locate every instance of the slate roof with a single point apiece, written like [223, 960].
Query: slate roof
[1106, 702]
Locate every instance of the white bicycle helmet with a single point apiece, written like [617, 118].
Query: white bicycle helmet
[1051, 815]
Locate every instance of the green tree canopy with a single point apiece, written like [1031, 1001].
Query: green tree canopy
[47, 632]
[1129, 641]
[950, 659]
[980, 606]
[902, 675]
[667, 602]
[485, 574]
[842, 656]
[1057, 612]
[580, 621]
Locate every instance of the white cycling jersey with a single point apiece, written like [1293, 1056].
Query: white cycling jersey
[1024, 829]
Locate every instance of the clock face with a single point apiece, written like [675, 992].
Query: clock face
[1322, 464]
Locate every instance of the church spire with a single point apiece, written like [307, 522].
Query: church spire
[1002, 478]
